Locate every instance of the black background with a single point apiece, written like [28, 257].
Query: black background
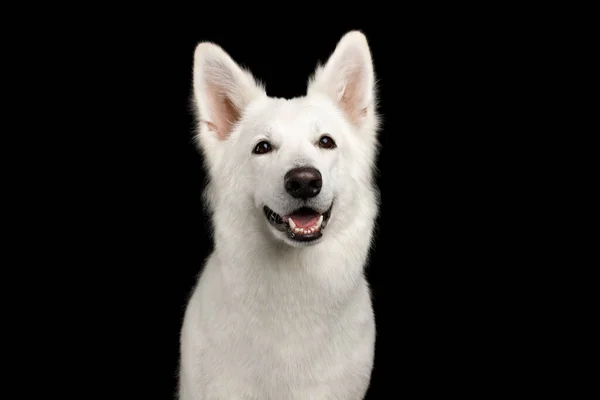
[140, 237]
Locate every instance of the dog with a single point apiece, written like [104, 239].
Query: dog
[282, 309]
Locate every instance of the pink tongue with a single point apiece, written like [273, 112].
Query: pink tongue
[305, 221]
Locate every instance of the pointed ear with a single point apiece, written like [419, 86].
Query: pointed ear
[222, 90]
[348, 77]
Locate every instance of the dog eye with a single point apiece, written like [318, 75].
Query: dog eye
[262, 147]
[326, 142]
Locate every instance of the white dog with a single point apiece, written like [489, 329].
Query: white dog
[282, 309]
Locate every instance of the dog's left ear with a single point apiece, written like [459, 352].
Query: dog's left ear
[348, 77]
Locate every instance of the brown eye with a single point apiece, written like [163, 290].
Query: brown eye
[326, 142]
[262, 148]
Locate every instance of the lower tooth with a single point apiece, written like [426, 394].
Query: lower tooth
[306, 231]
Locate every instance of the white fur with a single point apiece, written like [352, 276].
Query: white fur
[269, 318]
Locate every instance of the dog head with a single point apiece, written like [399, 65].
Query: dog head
[297, 165]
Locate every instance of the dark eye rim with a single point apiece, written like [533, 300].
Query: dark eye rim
[333, 145]
[256, 150]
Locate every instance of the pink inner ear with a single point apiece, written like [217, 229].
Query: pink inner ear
[353, 96]
[224, 113]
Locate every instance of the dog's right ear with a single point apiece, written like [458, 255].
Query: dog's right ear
[222, 90]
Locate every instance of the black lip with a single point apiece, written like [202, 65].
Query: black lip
[283, 226]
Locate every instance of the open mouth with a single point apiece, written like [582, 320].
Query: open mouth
[303, 225]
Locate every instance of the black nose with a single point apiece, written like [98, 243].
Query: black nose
[303, 182]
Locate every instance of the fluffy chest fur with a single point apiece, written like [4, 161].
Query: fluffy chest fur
[282, 334]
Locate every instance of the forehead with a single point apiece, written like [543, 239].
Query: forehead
[303, 115]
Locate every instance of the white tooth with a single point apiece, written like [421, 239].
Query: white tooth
[292, 223]
[320, 221]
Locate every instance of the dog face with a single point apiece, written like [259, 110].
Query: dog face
[297, 163]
